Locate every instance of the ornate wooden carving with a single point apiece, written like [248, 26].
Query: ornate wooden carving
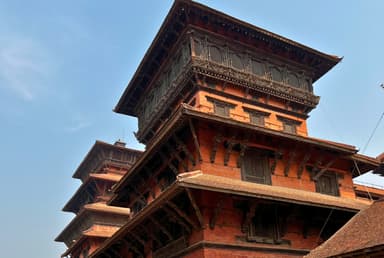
[216, 141]
[228, 150]
[277, 155]
[305, 159]
[292, 155]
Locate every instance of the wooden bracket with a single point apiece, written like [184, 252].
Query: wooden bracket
[182, 214]
[305, 159]
[216, 141]
[169, 163]
[292, 155]
[179, 220]
[228, 151]
[195, 207]
[278, 155]
[218, 208]
[195, 140]
[185, 149]
[161, 227]
[177, 156]
[324, 169]
[137, 238]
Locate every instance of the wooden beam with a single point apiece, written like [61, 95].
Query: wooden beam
[130, 246]
[162, 228]
[182, 214]
[195, 207]
[324, 169]
[292, 155]
[228, 151]
[185, 149]
[137, 238]
[305, 159]
[216, 141]
[178, 220]
[176, 155]
[115, 253]
[277, 155]
[169, 163]
[195, 139]
[213, 219]
[150, 233]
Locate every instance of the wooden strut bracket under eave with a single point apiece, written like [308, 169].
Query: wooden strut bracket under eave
[305, 159]
[196, 208]
[324, 169]
[292, 155]
[182, 146]
[195, 140]
[216, 141]
[182, 214]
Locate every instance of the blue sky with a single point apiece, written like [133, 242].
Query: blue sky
[64, 65]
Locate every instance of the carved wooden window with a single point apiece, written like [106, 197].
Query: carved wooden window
[255, 167]
[293, 80]
[258, 68]
[327, 184]
[215, 54]
[289, 125]
[221, 108]
[237, 63]
[256, 117]
[276, 74]
[197, 47]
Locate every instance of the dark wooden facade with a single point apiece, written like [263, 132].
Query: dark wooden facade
[229, 169]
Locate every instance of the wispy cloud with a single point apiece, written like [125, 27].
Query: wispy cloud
[78, 123]
[23, 67]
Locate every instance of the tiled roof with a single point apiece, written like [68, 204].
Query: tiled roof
[365, 230]
[223, 184]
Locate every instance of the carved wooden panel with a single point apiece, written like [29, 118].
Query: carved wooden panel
[248, 60]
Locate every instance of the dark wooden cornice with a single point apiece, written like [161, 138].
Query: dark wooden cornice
[98, 154]
[184, 14]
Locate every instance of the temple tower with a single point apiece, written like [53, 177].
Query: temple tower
[229, 169]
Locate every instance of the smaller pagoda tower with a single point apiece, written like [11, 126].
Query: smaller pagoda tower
[101, 169]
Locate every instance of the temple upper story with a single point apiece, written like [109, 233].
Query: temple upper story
[222, 65]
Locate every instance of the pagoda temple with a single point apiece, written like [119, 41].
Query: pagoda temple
[95, 221]
[229, 169]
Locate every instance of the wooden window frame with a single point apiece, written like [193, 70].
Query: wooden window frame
[222, 104]
[289, 125]
[256, 117]
[334, 184]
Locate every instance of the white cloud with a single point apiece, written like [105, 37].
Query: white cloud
[23, 67]
[78, 123]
